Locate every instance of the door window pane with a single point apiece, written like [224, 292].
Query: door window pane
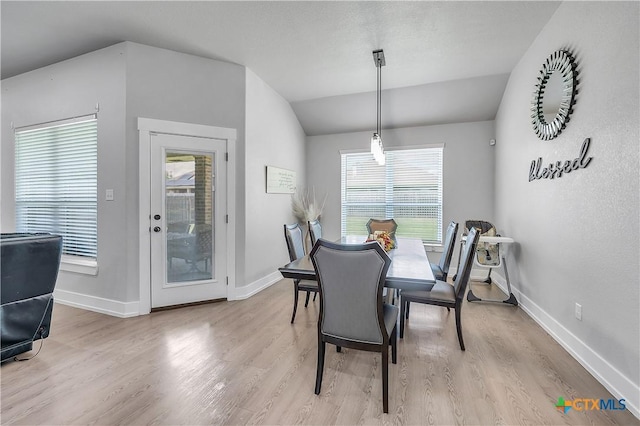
[189, 209]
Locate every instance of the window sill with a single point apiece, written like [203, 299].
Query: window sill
[79, 266]
[436, 248]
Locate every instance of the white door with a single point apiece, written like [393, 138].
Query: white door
[188, 219]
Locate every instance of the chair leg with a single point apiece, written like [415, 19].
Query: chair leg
[385, 380]
[448, 309]
[320, 367]
[394, 345]
[306, 300]
[459, 327]
[315, 293]
[403, 305]
[295, 301]
[338, 348]
[408, 304]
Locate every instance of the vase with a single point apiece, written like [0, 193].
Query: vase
[307, 240]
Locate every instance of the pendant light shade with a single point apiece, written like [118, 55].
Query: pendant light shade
[377, 149]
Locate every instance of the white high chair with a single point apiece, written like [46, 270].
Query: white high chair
[489, 254]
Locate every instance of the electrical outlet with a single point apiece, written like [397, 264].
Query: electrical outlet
[108, 195]
[578, 312]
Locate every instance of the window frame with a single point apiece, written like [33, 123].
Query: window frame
[69, 262]
[439, 219]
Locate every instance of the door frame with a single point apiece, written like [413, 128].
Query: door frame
[147, 126]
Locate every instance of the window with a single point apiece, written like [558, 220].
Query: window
[408, 188]
[56, 183]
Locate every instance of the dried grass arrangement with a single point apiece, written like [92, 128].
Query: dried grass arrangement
[304, 205]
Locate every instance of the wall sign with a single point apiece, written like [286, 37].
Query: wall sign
[280, 181]
[556, 169]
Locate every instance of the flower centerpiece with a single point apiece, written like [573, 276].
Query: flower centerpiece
[383, 238]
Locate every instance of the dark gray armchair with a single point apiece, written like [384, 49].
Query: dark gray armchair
[28, 272]
[352, 313]
[295, 244]
[443, 293]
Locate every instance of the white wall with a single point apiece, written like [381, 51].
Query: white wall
[167, 85]
[468, 168]
[64, 90]
[128, 80]
[274, 137]
[578, 235]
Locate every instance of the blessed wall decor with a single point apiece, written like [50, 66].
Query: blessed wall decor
[556, 169]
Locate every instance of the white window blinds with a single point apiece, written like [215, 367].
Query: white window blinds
[408, 188]
[56, 182]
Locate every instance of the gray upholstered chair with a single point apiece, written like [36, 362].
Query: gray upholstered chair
[441, 269]
[315, 230]
[388, 225]
[295, 244]
[352, 312]
[443, 293]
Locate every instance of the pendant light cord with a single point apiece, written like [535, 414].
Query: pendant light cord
[379, 100]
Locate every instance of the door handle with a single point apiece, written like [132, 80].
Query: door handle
[157, 229]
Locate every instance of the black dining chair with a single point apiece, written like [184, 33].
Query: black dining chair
[443, 293]
[295, 244]
[441, 269]
[352, 312]
[315, 230]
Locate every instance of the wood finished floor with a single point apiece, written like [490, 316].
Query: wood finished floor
[243, 363]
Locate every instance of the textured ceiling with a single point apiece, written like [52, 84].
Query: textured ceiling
[450, 60]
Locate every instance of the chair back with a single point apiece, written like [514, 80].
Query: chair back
[315, 231]
[295, 241]
[350, 280]
[449, 244]
[388, 225]
[203, 247]
[481, 225]
[465, 264]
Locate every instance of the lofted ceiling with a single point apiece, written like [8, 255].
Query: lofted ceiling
[446, 61]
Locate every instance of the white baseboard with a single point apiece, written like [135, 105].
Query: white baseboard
[96, 304]
[620, 386]
[257, 286]
[131, 309]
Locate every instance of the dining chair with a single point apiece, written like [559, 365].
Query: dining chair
[388, 225]
[487, 254]
[352, 312]
[315, 230]
[295, 245]
[443, 293]
[441, 269]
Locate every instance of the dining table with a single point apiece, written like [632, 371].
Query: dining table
[409, 270]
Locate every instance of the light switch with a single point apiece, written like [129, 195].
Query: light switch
[109, 195]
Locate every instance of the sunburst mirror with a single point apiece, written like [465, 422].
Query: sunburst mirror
[555, 95]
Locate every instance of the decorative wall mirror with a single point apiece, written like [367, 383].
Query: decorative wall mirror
[554, 96]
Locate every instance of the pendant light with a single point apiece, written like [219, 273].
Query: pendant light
[377, 148]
